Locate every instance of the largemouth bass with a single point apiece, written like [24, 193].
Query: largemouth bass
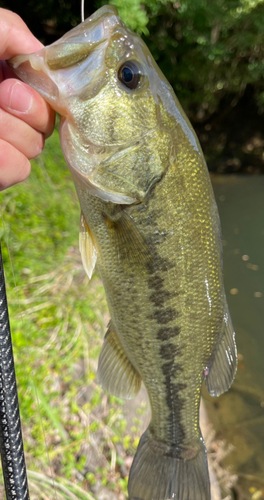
[150, 220]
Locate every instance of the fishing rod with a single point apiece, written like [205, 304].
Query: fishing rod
[11, 442]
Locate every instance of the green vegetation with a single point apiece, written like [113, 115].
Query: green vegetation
[72, 429]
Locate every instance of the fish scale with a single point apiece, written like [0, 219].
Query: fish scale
[150, 218]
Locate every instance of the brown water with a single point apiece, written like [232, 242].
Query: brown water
[238, 416]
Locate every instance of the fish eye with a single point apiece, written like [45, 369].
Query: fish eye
[129, 74]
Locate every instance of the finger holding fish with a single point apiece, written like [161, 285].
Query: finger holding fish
[25, 118]
[23, 103]
[24, 111]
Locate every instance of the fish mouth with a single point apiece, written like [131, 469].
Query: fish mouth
[54, 71]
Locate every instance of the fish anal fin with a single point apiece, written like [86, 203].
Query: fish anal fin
[220, 375]
[87, 248]
[115, 372]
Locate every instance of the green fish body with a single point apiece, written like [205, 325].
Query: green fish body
[150, 220]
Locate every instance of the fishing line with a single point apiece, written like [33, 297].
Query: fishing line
[82, 10]
[30, 364]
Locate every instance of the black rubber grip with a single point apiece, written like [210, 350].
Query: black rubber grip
[11, 443]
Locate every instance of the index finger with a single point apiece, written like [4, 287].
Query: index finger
[15, 37]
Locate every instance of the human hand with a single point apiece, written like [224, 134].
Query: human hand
[25, 118]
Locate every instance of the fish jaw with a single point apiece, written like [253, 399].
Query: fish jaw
[54, 71]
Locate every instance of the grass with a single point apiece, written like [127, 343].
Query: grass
[75, 436]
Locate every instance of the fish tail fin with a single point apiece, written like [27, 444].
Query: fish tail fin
[155, 475]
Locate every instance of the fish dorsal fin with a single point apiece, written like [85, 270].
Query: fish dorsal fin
[86, 247]
[116, 374]
[222, 371]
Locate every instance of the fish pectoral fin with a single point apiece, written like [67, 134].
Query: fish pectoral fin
[127, 239]
[87, 248]
[223, 368]
[115, 372]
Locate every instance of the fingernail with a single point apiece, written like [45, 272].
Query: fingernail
[20, 99]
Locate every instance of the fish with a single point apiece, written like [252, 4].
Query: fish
[150, 221]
